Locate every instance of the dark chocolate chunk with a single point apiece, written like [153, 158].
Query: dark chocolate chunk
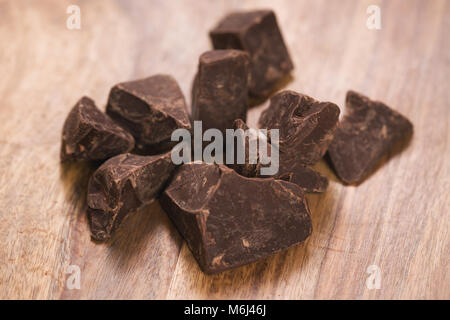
[306, 126]
[290, 169]
[89, 134]
[151, 109]
[233, 220]
[220, 91]
[256, 32]
[308, 179]
[122, 185]
[369, 130]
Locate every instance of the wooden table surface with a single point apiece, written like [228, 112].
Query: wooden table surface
[397, 220]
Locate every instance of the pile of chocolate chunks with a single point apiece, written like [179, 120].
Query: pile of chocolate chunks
[228, 215]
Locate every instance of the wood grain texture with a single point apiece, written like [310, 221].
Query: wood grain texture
[398, 219]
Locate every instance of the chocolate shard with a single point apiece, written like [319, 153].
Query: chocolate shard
[89, 134]
[265, 216]
[368, 131]
[220, 91]
[256, 32]
[290, 169]
[151, 109]
[120, 186]
[294, 171]
[308, 179]
[306, 126]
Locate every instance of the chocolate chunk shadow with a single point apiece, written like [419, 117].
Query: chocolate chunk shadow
[135, 233]
[324, 212]
[250, 277]
[75, 177]
[325, 169]
[254, 101]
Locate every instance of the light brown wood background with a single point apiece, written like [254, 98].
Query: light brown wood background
[398, 219]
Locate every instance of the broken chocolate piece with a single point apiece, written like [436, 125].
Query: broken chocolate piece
[369, 130]
[89, 134]
[290, 169]
[306, 125]
[122, 185]
[233, 220]
[305, 177]
[151, 109]
[220, 91]
[256, 32]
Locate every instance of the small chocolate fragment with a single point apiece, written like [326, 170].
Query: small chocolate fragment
[306, 126]
[308, 179]
[369, 130]
[220, 91]
[89, 134]
[233, 220]
[256, 32]
[151, 109]
[290, 169]
[246, 169]
[122, 185]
